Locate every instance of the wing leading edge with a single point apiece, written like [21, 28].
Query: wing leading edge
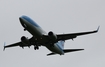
[74, 35]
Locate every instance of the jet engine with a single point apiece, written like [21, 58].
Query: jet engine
[25, 40]
[52, 36]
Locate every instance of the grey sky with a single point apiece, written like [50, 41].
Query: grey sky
[59, 16]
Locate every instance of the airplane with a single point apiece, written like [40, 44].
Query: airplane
[53, 42]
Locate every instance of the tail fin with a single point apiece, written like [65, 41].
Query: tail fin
[61, 44]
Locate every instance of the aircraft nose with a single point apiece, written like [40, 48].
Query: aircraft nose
[20, 19]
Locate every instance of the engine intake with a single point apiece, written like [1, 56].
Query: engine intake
[52, 36]
[50, 33]
[23, 38]
[25, 41]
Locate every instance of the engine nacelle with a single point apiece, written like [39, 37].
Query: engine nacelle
[25, 41]
[52, 36]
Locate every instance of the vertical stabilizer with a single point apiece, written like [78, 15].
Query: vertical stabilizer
[61, 44]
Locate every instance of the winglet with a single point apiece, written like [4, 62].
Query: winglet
[97, 28]
[4, 46]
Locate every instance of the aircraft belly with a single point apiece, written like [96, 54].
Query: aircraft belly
[37, 32]
[55, 49]
[53, 42]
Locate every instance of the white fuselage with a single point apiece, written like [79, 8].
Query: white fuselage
[38, 33]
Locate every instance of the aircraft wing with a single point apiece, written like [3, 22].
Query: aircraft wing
[31, 40]
[74, 35]
[12, 45]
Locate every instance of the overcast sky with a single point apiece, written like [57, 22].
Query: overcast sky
[59, 16]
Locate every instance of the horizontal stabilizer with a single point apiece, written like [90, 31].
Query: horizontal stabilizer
[71, 50]
[66, 51]
[51, 54]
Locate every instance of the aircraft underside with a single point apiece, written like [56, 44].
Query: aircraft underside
[54, 42]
